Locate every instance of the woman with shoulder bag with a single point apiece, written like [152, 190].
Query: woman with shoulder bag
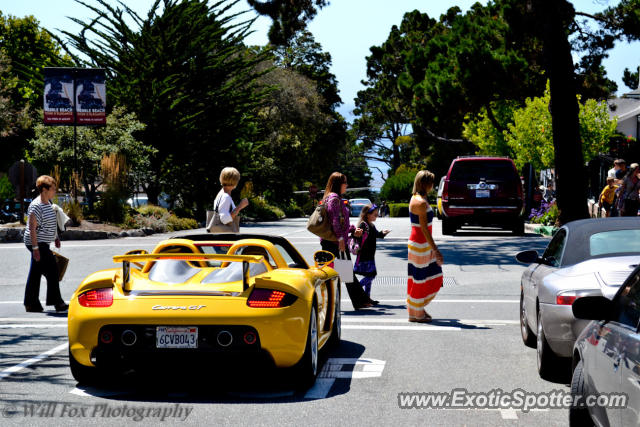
[225, 214]
[338, 216]
[41, 231]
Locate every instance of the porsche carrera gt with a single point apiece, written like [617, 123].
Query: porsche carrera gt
[209, 297]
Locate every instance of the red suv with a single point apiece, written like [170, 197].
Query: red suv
[482, 191]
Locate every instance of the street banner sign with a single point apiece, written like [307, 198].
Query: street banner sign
[91, 97]
[58, 96]
[74, 96]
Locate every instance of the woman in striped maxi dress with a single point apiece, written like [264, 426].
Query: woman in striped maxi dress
[425, 260]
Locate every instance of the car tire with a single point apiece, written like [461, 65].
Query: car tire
[528, 337]
[448, 226]
[518, 227]
[308, 366]
[336, 328]
[547, 359]
[83, 374]
[578, 412]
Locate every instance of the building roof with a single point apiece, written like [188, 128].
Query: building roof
[624, 108]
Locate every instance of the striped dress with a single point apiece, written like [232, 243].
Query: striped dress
[425, 275]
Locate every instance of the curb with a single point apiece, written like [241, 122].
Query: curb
[16, 234]
[545, 230]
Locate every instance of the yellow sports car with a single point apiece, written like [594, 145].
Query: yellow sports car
[210, 297]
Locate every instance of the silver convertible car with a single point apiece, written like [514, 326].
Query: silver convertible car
[590, 257]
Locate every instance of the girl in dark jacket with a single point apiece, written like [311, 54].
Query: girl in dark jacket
[366, 248]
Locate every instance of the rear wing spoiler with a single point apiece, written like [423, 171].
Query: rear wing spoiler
[126, 261]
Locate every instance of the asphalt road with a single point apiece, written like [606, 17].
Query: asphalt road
[474, 344]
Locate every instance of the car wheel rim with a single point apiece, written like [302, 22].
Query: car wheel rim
[314, 343]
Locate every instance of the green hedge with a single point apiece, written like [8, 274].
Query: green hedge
[398, 209]
[397, 188]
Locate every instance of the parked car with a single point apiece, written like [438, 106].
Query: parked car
[485, 191]
[606, 356]
[439, 198]
[356, 205]
[590, 257]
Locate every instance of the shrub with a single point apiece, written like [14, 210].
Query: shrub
[6, 189]
[73, 209]
[110, 208]
[547, 214]
[174, 223]
[152, 210]
[159, 224]
[292, 210]
[398, 209]
[397, 188]
[261, 210]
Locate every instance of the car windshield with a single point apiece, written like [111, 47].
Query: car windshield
[359, 201]
[614, 242]
[491, 170]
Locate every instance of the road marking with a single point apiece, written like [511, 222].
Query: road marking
[508, 414]
[492, 301]
[417, 327]
[334, 369]
[95, 392]
[467, 321]
[29, 362]
[29, 319]
[24, 325]
[293, 232]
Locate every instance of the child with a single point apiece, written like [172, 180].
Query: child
[365, 264]
[608, 195]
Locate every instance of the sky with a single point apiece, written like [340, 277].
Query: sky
[345, 28]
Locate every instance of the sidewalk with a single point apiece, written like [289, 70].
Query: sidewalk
[14, 233]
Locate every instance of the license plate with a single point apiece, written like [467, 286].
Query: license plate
[482, 193]
[176, 337]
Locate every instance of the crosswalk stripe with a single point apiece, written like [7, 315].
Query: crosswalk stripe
[29, 362]
[417, 327]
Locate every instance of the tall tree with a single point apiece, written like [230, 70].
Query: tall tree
[288, 16]
[185, 72]
[28, 49]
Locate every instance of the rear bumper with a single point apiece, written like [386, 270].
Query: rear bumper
[561, 328]
[281, 332]
[481, 214]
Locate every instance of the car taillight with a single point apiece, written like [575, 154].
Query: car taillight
[102, 297]
[445, 191]
[269, 298]
[565, 299]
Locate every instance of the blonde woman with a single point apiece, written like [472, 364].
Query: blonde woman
[425, 260]
[40, 232]
[228, 211]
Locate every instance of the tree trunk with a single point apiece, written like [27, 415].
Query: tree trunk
[570, 178]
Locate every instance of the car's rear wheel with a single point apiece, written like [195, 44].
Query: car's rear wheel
[308, 365]
[448, 226]
[336, 328]
[547, 359]
[578, 412]
[528, 337]
[83, 374]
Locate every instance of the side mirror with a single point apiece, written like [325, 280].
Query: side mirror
[592, 308]
[528, 257]
[322, 258]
